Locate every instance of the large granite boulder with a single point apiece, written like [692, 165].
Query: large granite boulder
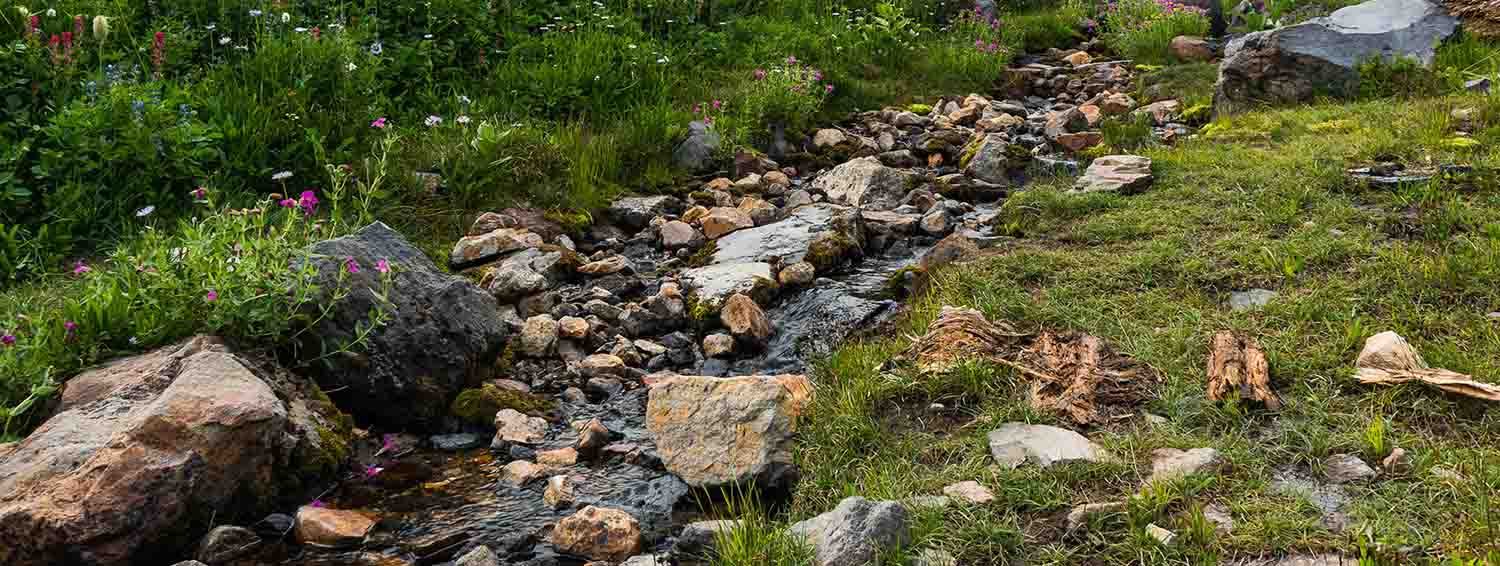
[855, 533]
[714, 432]
[863, 182]
[1322, 56]
[146, 452]
[442, 334]
[824, 235]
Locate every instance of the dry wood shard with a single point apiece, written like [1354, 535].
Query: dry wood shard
[1237, 370]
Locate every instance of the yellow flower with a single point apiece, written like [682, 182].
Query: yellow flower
[101, 27]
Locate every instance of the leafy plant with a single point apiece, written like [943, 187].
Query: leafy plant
[1143, 29]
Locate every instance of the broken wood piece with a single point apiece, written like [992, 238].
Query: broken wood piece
[959, 334]
[1389, 359]
[1237, 370]
[1080, 376]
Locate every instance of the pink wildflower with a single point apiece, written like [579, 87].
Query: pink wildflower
[382, 266]
[8, 339]
[760, 74]
[828, 88]
[316, 503]
[372, 470]
[211, 296]
[716, 104]
[379, 123]
[288, 203]
[80, 268]
[791, 59]
[308, 202]
[200, 193]
[350, 265]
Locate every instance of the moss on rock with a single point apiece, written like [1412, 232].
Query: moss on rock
[478, 405]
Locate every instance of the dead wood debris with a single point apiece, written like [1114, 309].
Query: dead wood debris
[1237, 370]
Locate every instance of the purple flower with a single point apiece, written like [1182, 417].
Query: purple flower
[379, 123]
[760, 74]
[791, 59]
[288, 203]
[316, 503]
[350, 265]
[828, 88]
[72, 329]
[697, 108]
[200, 193]
[716, 104]
[8, 339]
[80, 268]
[382, 266]
[211, 296]
[308, 202]
[387, 442]
[372, 470]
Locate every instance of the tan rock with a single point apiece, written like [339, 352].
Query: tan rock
[521, 472]
[800, 273]
[560, 491]
[1080, 141]
[336, 528]
[718, 345]
[1188, 48]
[573, 327]
[478, 250]
[1117, 104]
[599, 533]
[1079, 58]
[745, 319]
[592, 437]
[1092, 113]
[559, 457]
[776, 179]
[970, 492]
[719, 184]
[760, 211]
[602, 365]
[694, 214]
[714, 431]
[514, 426]
[829, 138]
[606, 266]
[724, 220]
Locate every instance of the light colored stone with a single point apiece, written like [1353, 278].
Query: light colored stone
[718, 345]
[521, 472]
[760, 211]
[969, 492]
[800, 273]
[573, 327]
[606, 266]
[1160, 113]
[334, 528]
[863, 182]
[1171, 463]
[599, 533]
[538, 336]
[513, 426]
[745, 320]
[1079, 58]
[471, 251]
[678, 234]
[1116, 173]
[1162, 535]
[1247, 300]
[480, 556]
[558, 457]
[715, 432]
[1015, 443]
[1188, 48]
[560, 491]
[1080, 514]
[713, 284]
[829, 138]
[1347, 468]
[602, 365]
[855, 532]
[723, 220]
[1117, 104]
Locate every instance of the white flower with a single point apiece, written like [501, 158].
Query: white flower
[134, 341]
[426, 36]
[596, 77]
[631, 46]
[464, 100]
[286, 18]
[300, 29]
[352, 66]
[433, 121]
[281, 176]
[224, 40]
[255, 13]
[51, 13]
[462, 119]
[662, 60]
[212, 27]
[145, 211]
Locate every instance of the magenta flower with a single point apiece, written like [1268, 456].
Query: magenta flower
[387, 441]
[8, 339]
[72, 329]
[308, 202]
[716, 104]
[791, 59]
[80, 268]
[211, 296]
[200, 193]
[379, 123]
[708, 120]
[316, 503]
[828, 89]
[288, 203]
[382, 266]
[979, 43]
[760, 74]
[697, 108]
[372, 470]
[350, 265]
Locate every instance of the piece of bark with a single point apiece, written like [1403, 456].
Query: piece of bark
[1237, 369]
[1080, 377]
[956, 335]
[1388, 359]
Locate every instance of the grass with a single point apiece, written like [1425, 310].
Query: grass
[1151, 274]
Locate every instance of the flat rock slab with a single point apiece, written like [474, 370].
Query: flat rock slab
[714, 284]
[1347, 468]
[1116, 173]
[1171, 463]
[1252, 299]
[791, 238]
[1016, 443]
[855, 532]
[726, 431]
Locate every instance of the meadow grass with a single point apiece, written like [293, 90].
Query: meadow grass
[1263, 204]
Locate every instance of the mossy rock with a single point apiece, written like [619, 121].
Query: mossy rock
[329, 437]
[969, 152]
[478, 405]
[573, 221]
[830, 250]
[704, 255]
[921, 109]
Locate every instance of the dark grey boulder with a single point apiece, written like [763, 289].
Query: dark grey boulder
[443, 332]
[696, 152]
[1322, 56]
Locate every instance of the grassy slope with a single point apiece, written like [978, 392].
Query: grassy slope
[1253, 207]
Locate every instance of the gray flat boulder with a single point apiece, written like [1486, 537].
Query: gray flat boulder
[1322, 56]
[822, 234]
[636, 213]
[1116, 173]
[712, 285]
[855, 532]
[1016, 443]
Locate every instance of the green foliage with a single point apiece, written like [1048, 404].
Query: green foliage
[1142, 30]
[479, 405]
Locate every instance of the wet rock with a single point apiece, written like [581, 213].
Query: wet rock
[855, 532]
[1171, 463]
[1015, 443]
[712, 285]
[1323, 55]
[455, 442]
[560, 491]
[274, 526]
[715, 432]
[174, 435]
[1116, 173]
[677, 234]
[969, 492]
[1188, 48]
[226, 543]
[760, 211]
[937, 223]
[718, 345]
[539, 336]
[995, 159]
[558, 457]
[822, 234]
[602, 365]
[1252, 299]
[606, 266]
[698, 538]
[746, 321]
[1080, 514]
[1347, 468]
[863, 182]
[900, 159]
[797, 274]
[592, 438]
[636, 213]
[480, 556]
[332, 528]
[471, 251]
[599, 533]
[521, 472]
[513, 426]
[723, 220]
[443, 331]
[1065, 121]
